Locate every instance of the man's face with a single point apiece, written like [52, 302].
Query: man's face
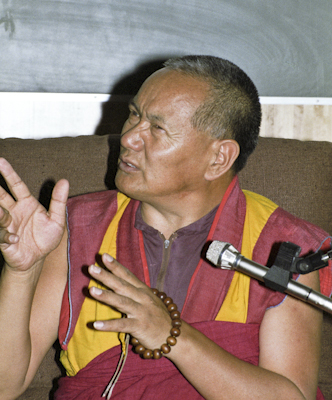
[162, 156]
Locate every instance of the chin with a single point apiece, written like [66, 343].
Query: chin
[128, 190]
[120, 182]
[119, 185]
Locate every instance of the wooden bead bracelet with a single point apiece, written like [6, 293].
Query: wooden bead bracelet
[174, 333]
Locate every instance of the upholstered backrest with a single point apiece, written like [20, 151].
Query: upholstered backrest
[296, 175]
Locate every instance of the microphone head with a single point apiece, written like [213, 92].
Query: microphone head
[214, 251]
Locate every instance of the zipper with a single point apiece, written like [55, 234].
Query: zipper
[165, 260]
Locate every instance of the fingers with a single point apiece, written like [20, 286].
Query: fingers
[17, 187]
[123, 284]
[147, 317]
[5, 218]
[123, 304]
[6, 200]
[121, 272]
[116, 325]
[126, 291]
[20, 191]
[5, 236]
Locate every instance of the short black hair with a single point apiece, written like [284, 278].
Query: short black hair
[232, 109]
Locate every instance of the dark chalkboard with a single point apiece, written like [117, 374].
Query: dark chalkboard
[94, 46]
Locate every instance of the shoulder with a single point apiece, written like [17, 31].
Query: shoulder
[90, 199]
[91, 207]
[283, 226]
[274, 225]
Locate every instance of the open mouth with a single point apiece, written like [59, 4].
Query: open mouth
[127, 166]
[130, 165]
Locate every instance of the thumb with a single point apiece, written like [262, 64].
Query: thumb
[57, 209]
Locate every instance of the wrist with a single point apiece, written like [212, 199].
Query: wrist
[171, 340]
[26, 274]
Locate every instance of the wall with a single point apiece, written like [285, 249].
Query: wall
[38, 115]
[297, 118]
[94, 46]
[51, 47]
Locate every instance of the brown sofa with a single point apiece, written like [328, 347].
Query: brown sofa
[296, 175]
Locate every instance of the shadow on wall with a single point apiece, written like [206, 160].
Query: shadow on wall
[115, 110]
[114, 114]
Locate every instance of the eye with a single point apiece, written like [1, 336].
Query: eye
[133, 115]
[157, 128]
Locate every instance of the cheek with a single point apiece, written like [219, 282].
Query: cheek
[173, 171]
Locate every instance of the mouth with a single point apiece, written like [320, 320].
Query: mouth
[126, 166]
[130, 165]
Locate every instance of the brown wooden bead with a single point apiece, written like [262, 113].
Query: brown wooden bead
[134, 341]
[147, 354]
[175, 314]
[157, 354]
[175, 332]
[168, 301]
[140, 349]
[176, 322]
[171, 341]
[155, 291]
[172, 307]
[162, 295]
[165, 348]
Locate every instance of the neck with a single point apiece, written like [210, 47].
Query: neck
[169, 216]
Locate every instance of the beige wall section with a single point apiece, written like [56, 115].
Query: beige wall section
[297, 121]
[38, 115]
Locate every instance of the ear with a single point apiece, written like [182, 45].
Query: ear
[224, 153]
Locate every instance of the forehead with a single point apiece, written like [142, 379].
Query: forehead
[171, 92]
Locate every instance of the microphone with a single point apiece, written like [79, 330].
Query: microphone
[225, 256]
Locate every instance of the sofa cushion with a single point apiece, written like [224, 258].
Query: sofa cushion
[296, 175]
[83, 160]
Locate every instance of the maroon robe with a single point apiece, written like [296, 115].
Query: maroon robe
[88, 219]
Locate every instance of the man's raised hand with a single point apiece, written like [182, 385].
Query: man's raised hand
[28, 232]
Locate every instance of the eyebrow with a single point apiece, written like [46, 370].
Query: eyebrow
[151, 117]
[133, 104]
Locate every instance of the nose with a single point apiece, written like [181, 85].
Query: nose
[131, 136]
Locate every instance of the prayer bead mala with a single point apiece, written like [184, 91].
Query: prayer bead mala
[174, 333]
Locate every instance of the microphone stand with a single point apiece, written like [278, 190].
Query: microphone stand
[279, 276]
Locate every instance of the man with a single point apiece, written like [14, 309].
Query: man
[190, 129]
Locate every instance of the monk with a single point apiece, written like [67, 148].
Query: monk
[204, 332]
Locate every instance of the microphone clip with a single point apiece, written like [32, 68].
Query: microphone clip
[288, 262]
